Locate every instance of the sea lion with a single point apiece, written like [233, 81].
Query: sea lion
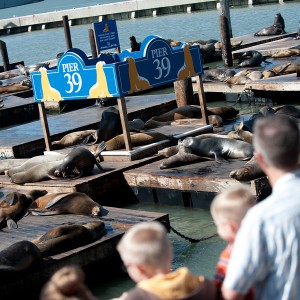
[225, 112]
[280, 70]
[64, 238]
[6, 164]
[244, 135]
[137, 139]
[250, 171]
[109, 126]
[286, 53]
[72, 138]
[217, 74]
[288, 110]
[14, 87]
[36, 160]
[278, 27]
[214, 120]
[65, 203]
[136, 125]
[79, 162]
[219, 148]
[184, 156]
[168, 151]
[15, 205]
[43, 171]
[19, 256]
[253, 58]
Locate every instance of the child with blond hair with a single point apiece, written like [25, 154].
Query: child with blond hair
[147, 254]
[228, 210]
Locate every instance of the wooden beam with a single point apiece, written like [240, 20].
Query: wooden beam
[124, 122]
[45, 126]
[202, 99]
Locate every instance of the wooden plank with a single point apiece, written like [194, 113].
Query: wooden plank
[117, 222]
[207, 176]
[282, 83]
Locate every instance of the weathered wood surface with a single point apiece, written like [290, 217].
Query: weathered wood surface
[27, 140]
[117, 222]
[269, 48]
[284, 83]
[207, 176]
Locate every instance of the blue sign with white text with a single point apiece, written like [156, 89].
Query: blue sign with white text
[78, 77]
[106, 35]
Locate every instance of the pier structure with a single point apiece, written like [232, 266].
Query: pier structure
[117, 11]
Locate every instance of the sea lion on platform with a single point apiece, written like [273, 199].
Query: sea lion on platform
[65, 203]
[12, 88]
[217, 74]
[72, 138]
[252, 58]
[219, 148]
[250, 171]
[6, 164]
[245, 135]
[64, 238]
[214, 120]
[109, 126]
[36, 160]
[184, 156]
[43, 171]
[19, 257]
[280, 70]
[137, 139]
[286, 53]
[80, 162]
[278, 27]
[15, 205]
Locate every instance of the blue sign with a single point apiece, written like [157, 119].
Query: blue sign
[77, 77]
[106, 35]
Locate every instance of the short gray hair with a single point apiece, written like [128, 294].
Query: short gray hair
[277, 139]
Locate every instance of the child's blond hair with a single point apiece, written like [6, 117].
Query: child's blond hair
[232, 204]
[146, 243]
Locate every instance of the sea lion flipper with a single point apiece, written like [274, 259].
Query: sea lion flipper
[11, 224]
[56, 199]
[219, 157]
[10, 199]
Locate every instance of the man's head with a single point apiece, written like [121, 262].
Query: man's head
[276, 142]
[146, 250]
[229, 208]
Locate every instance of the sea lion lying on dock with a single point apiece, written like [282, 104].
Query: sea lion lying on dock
[219, 148]
[280, 70]
[15, 205]
[6, 164]
[286, 53]
[64, 238]
[19, 257]
[190, 111]
[252, 58]
[14, 87]
[65, 203]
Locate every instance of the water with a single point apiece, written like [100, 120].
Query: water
[37, 46]
[40, 46]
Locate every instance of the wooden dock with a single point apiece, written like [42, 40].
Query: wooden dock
[117, 222]
[206, 177]
[28, 140]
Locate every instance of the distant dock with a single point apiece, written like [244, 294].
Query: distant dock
[117, 11]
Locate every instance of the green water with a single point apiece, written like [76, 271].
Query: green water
[200, 257]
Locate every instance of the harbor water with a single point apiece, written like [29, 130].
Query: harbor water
[37, 46]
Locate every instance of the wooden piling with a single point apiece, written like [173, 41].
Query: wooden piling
[224, 6]
[67, 32]
[225, 39]
[4, 55]
[93, 43]
[184, 92]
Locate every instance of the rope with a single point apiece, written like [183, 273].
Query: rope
[192, 240]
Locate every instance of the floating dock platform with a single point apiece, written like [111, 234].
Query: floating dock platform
[117, 222]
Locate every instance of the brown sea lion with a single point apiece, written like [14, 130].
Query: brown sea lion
[79, 162]
[168, 151]
[14, 87]
[65, 203]
[72, 138]
[219, 148]
[250, 171]
[244, 135]
[214, 120]
[184, 156]
[64, 238]
[280, 70]
[137, 139]
[15, 205]
[286, 53]
[18, 257]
